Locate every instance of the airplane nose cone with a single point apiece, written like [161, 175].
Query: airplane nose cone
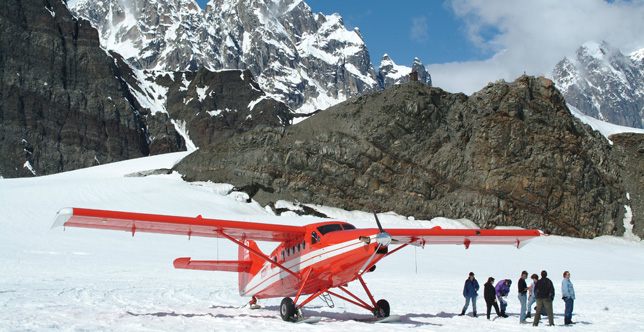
[383, 239]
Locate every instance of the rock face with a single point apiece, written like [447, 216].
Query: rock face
[62, 104]
[308, 61]
[511, 154]
[603, 83]
[210, 106]
[67, 104]
[628, 150]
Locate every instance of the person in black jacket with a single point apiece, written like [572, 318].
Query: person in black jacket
[489, 294]
[544, 293]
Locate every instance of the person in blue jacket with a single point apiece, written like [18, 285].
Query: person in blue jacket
[502, 290]
[531, 298]
[470, 293]
[568, 295]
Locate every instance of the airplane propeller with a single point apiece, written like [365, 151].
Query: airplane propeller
[383, 239]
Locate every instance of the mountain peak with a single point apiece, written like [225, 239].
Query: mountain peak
[603, 83]
[389, 73]
[293, 53]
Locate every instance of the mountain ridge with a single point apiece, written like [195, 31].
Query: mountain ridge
[603, 83]
[308, 61]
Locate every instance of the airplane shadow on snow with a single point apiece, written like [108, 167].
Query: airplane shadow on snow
[273, 313]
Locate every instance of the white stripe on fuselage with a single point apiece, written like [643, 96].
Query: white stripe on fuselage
[298, 264]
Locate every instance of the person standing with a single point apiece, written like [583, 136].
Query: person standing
[523, 291]
[568, 295]
[470, 293]
[531, 298]
[502, 291]
[544, 293]
[489, 294]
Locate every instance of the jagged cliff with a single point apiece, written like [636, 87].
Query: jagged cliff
[510, 154]
[62, 104]
[66, 103]
[308, 61]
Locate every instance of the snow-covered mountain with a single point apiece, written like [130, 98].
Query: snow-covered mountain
[309, 61]
[389, 73]
[602, 82]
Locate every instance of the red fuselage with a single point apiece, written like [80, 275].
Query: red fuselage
[333, 251]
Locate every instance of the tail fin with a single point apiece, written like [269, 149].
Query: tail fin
[256, 264]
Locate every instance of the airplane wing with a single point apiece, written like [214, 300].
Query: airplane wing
[437, 235]
[190, 226]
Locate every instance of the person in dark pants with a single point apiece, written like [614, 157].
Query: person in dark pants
[502, 291]
[531, 298]
[470, 293]
[523, 296]
[545, 293]
[489, 294]
[568, 295]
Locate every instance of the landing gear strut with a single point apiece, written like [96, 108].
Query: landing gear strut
[291, 312]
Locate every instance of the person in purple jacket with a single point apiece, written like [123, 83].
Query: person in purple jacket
[502, 290]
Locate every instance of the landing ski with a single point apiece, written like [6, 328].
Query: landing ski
[309, 320]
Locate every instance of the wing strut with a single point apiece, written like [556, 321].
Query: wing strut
[259, 254]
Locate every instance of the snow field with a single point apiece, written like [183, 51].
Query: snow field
[94, 280]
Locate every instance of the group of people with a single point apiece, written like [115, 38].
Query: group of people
[541, 291]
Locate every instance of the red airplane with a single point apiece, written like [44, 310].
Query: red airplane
[310, 261]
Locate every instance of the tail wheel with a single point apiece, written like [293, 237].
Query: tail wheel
[287, 309]
[382, 309]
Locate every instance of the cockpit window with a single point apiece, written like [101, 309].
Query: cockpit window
[334, 227]
[329, 228]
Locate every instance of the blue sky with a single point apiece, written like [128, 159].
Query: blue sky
[467, 43]
[428, 30]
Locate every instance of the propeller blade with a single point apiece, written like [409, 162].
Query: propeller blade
[375, 215]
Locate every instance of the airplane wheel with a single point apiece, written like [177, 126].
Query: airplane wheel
[287, 309]
[382, 309]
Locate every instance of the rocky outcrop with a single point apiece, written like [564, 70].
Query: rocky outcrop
[509, 155]
[628, 151]
[63, 103]
[211, 106]
[66, 103]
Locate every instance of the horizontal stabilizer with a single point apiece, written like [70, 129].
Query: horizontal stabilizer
[230, 266]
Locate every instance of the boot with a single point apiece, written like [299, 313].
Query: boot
[462, 313]
[475, 314]
[528, 315]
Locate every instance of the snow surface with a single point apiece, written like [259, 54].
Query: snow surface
[605, 128]
[95, 280]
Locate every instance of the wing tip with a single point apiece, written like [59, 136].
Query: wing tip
[62, 216]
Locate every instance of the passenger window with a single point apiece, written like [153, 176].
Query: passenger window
[282, 254]
[298, 247]
[303, 244]
[293, 250]
[315, 238]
